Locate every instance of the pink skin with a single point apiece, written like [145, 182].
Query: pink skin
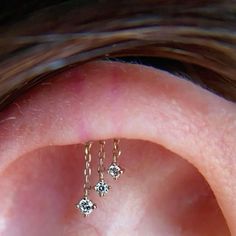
[160, 193]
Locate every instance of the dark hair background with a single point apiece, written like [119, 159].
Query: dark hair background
[196, 39]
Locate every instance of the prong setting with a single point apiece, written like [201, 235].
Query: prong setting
[86, 206]
[102, 188]
[115, 171]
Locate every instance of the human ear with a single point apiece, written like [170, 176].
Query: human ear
[102, 100]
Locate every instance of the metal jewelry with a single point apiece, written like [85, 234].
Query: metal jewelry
[85, 205]
[101, 187]
[114, 170]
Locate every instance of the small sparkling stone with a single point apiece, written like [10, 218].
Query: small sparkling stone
[102, 188]
[115, 171]
[86, 206]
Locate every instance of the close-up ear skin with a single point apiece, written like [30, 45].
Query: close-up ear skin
[108, 93]
[131, 102]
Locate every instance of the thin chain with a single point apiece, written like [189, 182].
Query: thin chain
[87, 169]
[116, 150]
[101, 156]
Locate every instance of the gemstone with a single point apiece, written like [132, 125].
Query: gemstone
[115, 171]
[102, 188]
[86, 206]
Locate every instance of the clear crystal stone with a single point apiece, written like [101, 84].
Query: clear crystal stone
[86, 206]
[102, 188]
[115, 171]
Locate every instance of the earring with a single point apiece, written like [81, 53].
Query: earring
[114, 169]
[101, 187]
[85, 205]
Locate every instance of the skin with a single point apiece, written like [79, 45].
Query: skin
[178, 143]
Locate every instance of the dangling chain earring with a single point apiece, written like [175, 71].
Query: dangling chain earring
[114, 169]
[85, 205]
[101, 187]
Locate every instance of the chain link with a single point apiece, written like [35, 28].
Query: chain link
[101, 156]
[116, 150]
[87, 170]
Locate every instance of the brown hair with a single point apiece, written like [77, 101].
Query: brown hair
[200, 35]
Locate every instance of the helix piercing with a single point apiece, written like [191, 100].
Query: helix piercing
[114, 170]
[101, 187]
[85, 205]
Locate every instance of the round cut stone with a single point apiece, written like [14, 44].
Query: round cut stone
[114, 170]
[102, 188]
[86, 206]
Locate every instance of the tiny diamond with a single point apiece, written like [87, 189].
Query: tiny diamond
[115, 171]
[102, 188]
[86, 206]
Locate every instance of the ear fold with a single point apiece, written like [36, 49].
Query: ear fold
[102, 100]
